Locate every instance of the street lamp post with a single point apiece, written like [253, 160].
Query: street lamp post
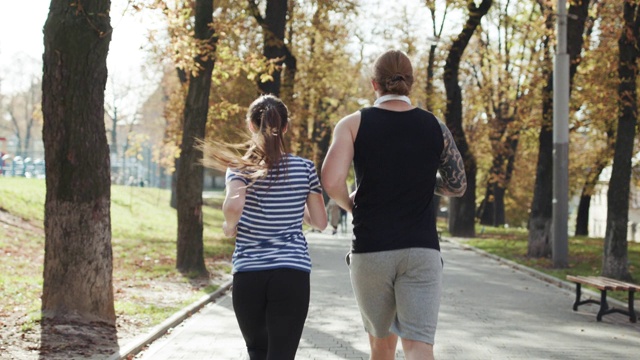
[560, 249]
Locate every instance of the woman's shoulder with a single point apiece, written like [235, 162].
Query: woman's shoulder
[300, 165]
[295, 159]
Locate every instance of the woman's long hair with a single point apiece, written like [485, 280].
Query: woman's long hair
[268, 119]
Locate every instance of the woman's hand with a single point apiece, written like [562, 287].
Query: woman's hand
[228, 230]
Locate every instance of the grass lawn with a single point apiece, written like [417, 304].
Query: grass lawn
[147, 287]
[585, 254]
[144, 248]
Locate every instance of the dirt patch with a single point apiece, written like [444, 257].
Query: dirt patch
[52, 341]
[19, 223]
[22, 338]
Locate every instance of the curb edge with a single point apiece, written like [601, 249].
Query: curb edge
[138, 343]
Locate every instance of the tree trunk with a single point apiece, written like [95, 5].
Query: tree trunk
[27, 137]
[614, 261]
[173, 201]
[431, 62]
[312, 123]
[291, 66]
[539, 244]
[190, 177]
[78, 259]
[17, 133]
[430, 75]
[114, 132]
[321, 136]
[288, 78]
[273, 27]
[29, 106]
[541, 208]
[492, 211]
[462, 209]
[582, 217]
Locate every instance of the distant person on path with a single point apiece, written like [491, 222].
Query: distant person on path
[402, 155]
[343, 220]
[333, 213]
[269, 193]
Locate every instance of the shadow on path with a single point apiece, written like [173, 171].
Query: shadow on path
[330, 343]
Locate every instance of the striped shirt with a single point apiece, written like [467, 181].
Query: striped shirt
[270, 228]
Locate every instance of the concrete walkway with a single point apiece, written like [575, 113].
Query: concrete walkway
[490, 310]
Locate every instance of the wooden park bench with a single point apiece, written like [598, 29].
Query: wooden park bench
[604, 284]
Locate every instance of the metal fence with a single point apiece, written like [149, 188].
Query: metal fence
[134, 171]
[130, 171]
[22, 167]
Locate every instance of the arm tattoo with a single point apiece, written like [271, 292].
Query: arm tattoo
[452, 180]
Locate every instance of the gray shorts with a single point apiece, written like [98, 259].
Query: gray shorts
[398, 292]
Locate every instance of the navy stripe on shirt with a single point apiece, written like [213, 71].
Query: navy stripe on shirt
[270, 228]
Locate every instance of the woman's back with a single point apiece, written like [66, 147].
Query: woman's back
[270, 228]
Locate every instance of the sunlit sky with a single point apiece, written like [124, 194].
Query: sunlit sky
[21, 38]
[21, 42]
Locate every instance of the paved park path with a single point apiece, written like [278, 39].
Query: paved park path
[490, 310]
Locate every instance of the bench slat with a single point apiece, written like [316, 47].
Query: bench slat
[610, 284]
[588, 281]
[622, 284]
[604, 283]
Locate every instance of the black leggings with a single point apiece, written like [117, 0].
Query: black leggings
[271, 307]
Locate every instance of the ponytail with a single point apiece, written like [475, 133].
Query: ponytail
[268, 118]
[271, 132]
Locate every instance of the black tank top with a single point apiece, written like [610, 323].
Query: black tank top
[396, 158]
